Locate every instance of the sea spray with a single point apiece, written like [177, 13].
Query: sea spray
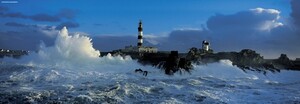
[76, 52]
[68, 49]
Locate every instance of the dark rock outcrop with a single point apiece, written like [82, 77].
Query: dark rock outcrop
[12, 53]
[170, 63]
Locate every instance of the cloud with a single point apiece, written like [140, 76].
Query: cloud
[45, 17]
[67, 24]
[17, 35]
[14, 24]
[14, 15]
[246, 29]
[41, 17]
[25, 40]
[152, 39]
[253, 20]
[295, 14]
[26, 37]
[37, 17]
[41, 27]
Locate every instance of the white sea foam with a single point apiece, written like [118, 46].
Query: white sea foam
[75, 53]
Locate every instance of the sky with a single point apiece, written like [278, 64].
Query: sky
[270, 27]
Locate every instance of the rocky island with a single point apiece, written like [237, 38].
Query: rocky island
[247, 59]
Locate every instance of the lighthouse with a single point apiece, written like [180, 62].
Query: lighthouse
[140, 34]
[139, 48]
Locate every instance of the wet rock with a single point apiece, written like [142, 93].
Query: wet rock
[200, 98]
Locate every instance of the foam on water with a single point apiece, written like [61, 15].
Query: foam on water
[71, 71]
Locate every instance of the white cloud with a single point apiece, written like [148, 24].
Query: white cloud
[270, 23]
[152, 39]
[262, 10]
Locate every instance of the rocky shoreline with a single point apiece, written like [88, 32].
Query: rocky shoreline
[247, 59]
[12, 53]
[172, 61]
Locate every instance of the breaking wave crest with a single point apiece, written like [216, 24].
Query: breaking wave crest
[75, 53]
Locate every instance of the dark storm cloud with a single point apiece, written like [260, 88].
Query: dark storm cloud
[295, 4]
[37, 17]
[14, 24]
[26, 37]
[25, 40]
[245, 29]
[30, 36]
[42, 17]
[67, 24]
[14, 15]
[244, 22]
[45, 17]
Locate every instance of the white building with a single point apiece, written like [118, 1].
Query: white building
[139, 49]
[205, 45]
